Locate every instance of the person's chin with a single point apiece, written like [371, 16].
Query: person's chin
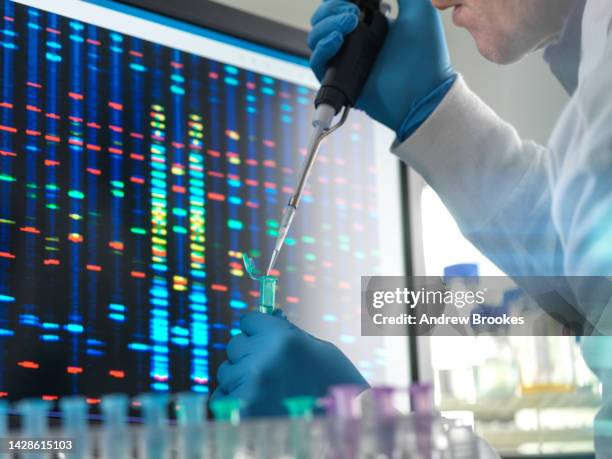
[497, 51]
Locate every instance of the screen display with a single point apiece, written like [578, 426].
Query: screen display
[133, 175]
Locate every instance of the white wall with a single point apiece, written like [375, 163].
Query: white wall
[292, 12]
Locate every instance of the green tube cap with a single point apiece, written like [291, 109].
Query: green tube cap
[300, 407]
[227, 409]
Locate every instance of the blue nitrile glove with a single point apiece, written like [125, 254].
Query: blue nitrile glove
[273, 359]
[413, 72]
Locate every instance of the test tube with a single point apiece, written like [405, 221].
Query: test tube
[301, 411]
[300, 407]
[74, 420]
[191, 413]
[4, 406]
[267, 293]
[344, 413]
[34, 424]
[421, 402]
[378, 425]
[227, 415]
[227, 410]
[342, 403]
[266, 439]
[378, 403]
[190, 408]
[154, 408]
[155, 436]
[267, 286]
[115, 440]
[421, 398]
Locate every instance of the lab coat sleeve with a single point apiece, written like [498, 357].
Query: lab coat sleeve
[494, 183]
[497, 188]
[582, 198]
[582, 211]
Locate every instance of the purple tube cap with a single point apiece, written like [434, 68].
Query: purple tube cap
[421, 398]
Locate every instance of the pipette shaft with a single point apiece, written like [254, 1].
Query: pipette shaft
[341, 86]
[282, 235]
[323, 118]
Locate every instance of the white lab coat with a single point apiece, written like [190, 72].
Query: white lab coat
[535, 210]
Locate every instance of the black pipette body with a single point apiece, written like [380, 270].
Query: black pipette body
[348, 71]
[344, 79]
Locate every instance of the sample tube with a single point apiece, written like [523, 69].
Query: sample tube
[421, 402]
[301, 410]
[378, 403]
[267, 286]
[190, 408]
[115, 439]
[267, 293]
[75, 427]
[378, 426]
[344, 413]
[227, 410]
[191, 414]
[155, 409]
[4, 406]
[155, 442]
[421, 398]
[300, 407]
[34, 423]
[342, 403]
[227, 415]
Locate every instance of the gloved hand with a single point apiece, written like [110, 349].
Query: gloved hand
[273, 359]
[413, 72]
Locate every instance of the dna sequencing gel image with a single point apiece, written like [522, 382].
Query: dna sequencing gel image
[133, 176]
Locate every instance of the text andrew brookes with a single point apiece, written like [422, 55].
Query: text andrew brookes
[431, 306]
[426, 319]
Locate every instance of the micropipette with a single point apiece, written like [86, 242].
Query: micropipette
[341, 86]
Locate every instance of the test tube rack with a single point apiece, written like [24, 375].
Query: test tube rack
[374, 433]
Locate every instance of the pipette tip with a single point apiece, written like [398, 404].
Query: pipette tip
[272, 261]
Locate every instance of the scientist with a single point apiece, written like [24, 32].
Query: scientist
[533, 210]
